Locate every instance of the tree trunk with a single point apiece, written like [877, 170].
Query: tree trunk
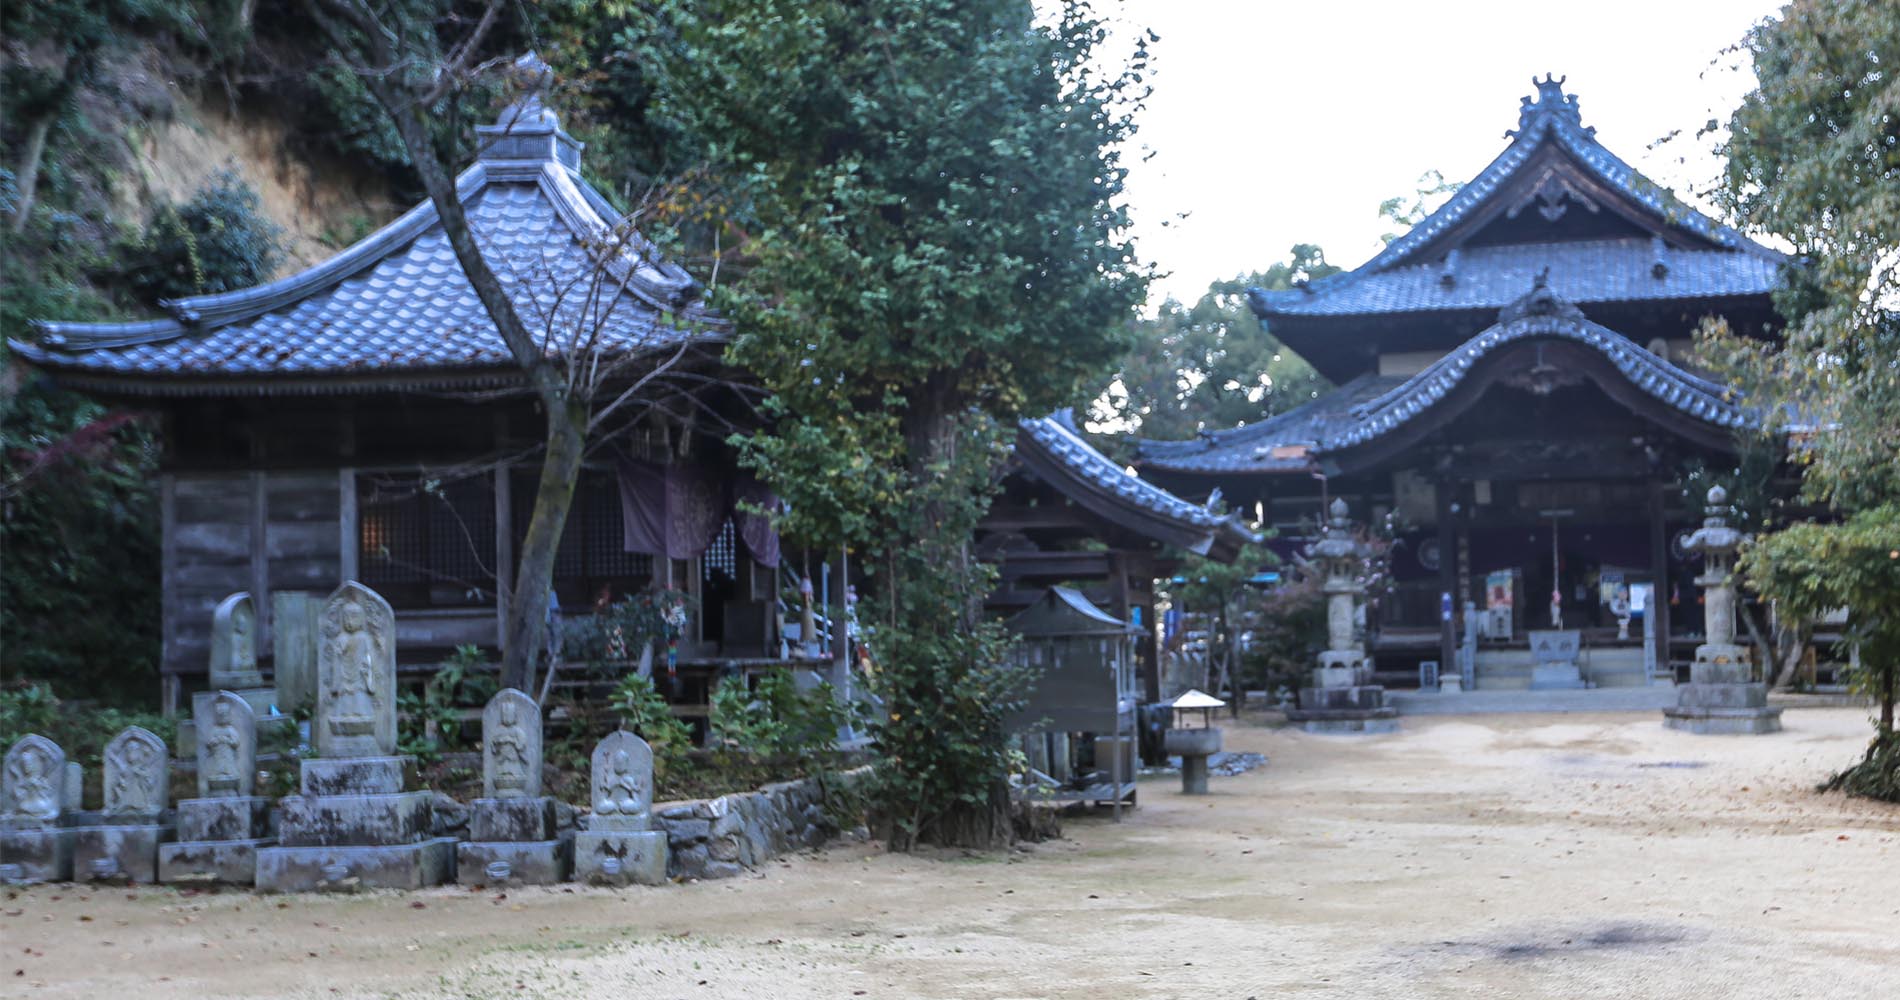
[33, 152]
[534, 576]
[1794, 644]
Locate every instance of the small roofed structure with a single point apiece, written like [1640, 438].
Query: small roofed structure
[1082, 705]
[1070, 515]
[1193, 744]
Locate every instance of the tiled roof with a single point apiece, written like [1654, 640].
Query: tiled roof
[1251, 448]
[1097, 482]
[1489, 277]
[1371, 406]
[1404, 278]
[398, 304]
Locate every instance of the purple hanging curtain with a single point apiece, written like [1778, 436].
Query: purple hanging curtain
[669, 510]
[755, 529]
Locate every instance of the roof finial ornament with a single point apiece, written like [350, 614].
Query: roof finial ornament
[533, 78]
[1549, 101]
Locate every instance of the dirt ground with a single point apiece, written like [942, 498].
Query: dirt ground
[1493, 856]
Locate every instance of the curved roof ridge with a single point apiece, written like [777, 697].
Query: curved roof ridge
[1684, 390]
[584, 211]
[1552, 118]
[1057, 436]
[1229, 436]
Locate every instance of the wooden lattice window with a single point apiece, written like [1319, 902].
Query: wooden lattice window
[424, 540]
[593, 552]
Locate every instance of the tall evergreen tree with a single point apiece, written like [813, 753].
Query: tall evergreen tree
[935, 241]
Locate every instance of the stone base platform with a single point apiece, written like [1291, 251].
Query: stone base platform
[534, 862]
[1360, 708]
[1556, 677]
[118, 853]
[1378, 720]
[346, 869]
[227, 862]
[40, 855]
[1724, 721]
[618, 858]
[230, 818]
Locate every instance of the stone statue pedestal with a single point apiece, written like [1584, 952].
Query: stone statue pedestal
[217, 840]
[120, 848]
[1554, 660]
[35, 854]
[354, 826]
[619, 851]
[513, 841]
[1343, 699]
[1719, 699]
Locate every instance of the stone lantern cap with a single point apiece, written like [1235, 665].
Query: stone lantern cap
[1195, 700]
[1715, 537]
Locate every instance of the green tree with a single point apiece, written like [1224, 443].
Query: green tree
[1433, 190]
[1212, 365]
[1812, 569]
[1814, 157]
[936, 241]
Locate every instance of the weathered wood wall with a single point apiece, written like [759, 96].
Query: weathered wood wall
[254, 531]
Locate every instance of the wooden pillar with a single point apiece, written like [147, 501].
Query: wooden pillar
[347, 539]
[1445, 493]
[504, 551]
[167, 591]
[1658, 612]
[260, 557]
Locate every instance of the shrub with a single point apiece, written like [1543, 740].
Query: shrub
[644, 711]
[216, 242]
[776, 719]
[81, 730]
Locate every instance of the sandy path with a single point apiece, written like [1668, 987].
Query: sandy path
[1498, 856]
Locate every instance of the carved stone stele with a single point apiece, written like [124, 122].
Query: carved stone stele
[356, 675]
[32, 782]
[511, 746]
[227, 747]
[622, 782]
[137, 773]
[234, 644]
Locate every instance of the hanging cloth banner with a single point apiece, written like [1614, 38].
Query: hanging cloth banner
[672, 511]
[755, 528]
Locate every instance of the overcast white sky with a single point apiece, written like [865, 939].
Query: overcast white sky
[1274, 123]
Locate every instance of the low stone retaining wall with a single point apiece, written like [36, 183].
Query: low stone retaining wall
[722, 837]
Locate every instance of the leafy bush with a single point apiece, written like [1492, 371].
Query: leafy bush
[776, 719]
[80, 729]
[431, 721]
[644, 711]
[216, 242]
[1877, 776]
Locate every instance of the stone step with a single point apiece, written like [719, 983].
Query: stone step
[345, 869]
[227, 862]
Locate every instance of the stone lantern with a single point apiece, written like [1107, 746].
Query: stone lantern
[1193, 744]
[1343, 698]
[1719, 698]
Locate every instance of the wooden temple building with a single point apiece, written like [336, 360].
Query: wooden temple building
[363, 420]
[1513, 393]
